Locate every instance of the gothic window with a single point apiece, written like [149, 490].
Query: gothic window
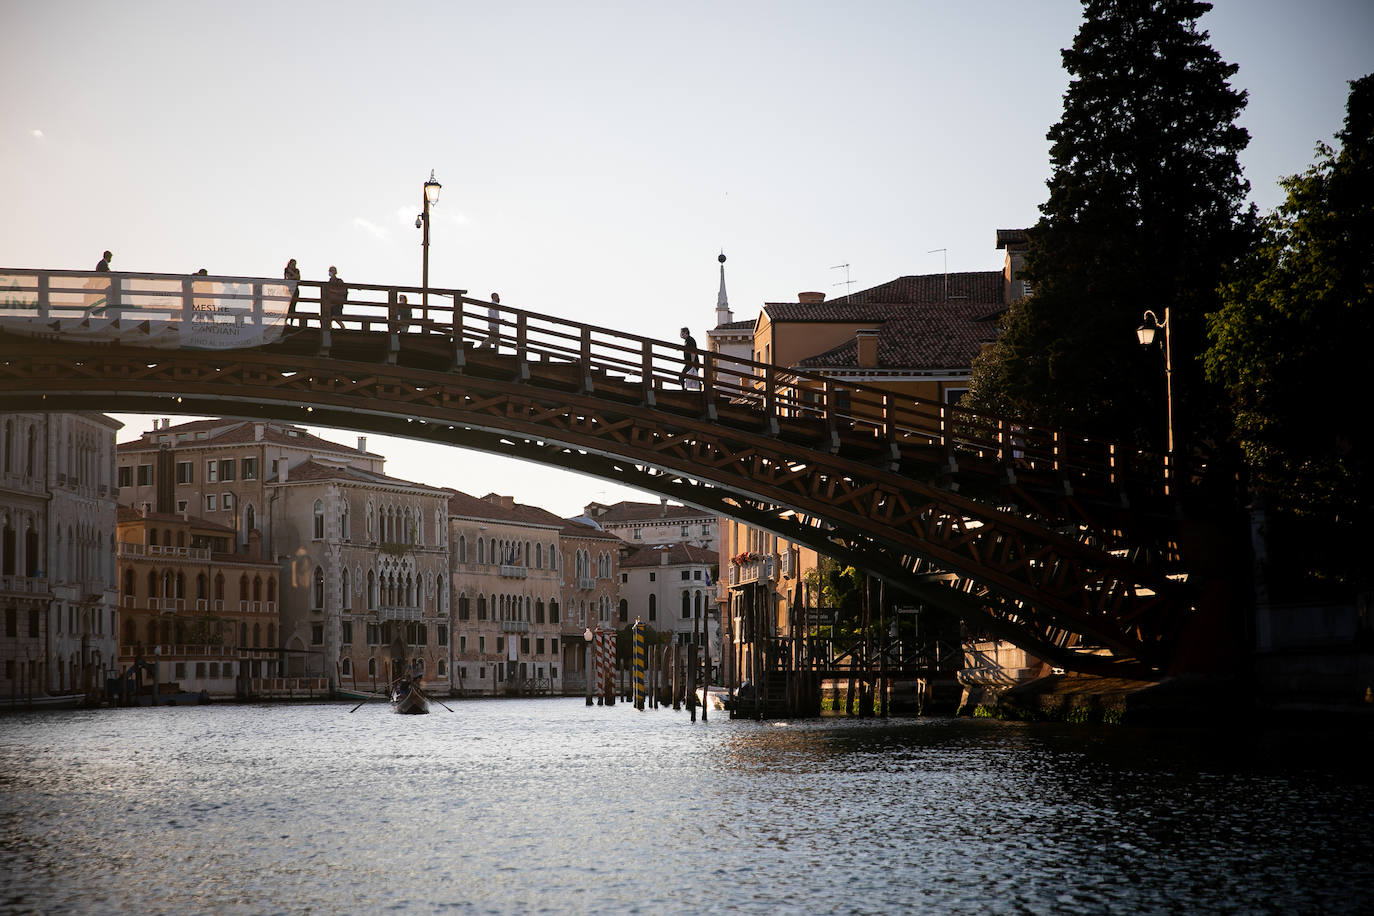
[319, 520]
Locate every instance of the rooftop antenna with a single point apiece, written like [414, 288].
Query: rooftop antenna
[848, 283]
[945, 252]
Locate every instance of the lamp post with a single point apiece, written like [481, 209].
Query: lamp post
[427, 200]
[1146, 335]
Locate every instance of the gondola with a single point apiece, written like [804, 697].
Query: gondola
[408, 697]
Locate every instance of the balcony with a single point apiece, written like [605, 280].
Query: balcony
[127, 549]
[761, 569]
[388, 612]
[24, 585]
[515, 626]
[514, 572]
[586, 583]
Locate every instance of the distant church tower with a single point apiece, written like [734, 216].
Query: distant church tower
[723, 313]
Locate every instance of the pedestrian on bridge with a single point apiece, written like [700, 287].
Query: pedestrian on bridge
[332, 299]
[104, 265]
[691, 362]
[292, 274]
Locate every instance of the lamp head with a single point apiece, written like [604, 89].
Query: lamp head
[1146, 332]
[432, 189]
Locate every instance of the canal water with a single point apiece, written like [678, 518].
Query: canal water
[548, 806]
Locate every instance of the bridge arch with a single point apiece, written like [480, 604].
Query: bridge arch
[1037, 535]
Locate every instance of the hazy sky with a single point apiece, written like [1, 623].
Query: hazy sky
[595, 157]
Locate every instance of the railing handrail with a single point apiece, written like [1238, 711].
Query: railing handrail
[781, 392]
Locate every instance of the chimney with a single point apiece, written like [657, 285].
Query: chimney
[282, 468]
[867, 340]
[663, 507]
[362, 443]
[507, 502]
[810, 298]
[257, 432]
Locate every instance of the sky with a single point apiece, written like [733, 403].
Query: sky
[595, 157]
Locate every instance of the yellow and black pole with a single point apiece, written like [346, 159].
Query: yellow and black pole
[639, 664]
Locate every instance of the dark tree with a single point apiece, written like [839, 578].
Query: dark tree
[1289, 346]
[1146, 206]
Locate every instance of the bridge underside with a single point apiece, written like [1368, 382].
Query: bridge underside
[1031, 563]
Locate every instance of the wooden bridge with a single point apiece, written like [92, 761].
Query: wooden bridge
[1056, 541]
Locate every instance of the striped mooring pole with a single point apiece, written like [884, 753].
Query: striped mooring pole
[606, 645]
[639, 664]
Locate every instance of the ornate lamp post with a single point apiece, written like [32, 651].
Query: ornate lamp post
[430, 198]
[1146, 333]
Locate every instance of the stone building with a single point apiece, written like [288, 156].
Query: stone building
[364, 560]
[656, 523]
[670, 588]
[57, 568]
[591, 587]
[361, 556]
[506, 577]
[202, 611]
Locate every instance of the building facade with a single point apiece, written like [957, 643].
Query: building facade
[639, 524]
[190, 603]
[671, 588]
[506, 582]
[57, 567]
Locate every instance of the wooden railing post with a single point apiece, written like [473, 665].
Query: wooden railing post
[708, 386]
[585, 355]
[458, 355]
[646, 372]
[44, 295]
[522, 342]
[770, 400]
[393, 324]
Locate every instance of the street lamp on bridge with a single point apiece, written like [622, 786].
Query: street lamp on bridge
[1146, 333]
[430, 198]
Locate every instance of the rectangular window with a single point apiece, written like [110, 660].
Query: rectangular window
[553, 671]
[696, 574]
[226, 470]
[182, 505]
[482, 645]
[145, 475]
[624, 578]
[317, 634]
[553, 650]
[443, 635]
[524, 645]
[33, 622]
[374, 634]
[227, 502]
[185, 474]
[211, 502]
[212, 471]
[250, 469]
[639, 534]
[462, 645]
[539, 646]
[200, 671]
[705, 530]
[653, 576]
[11, 622]
[500, 644]
[686, 574]
[125, 477]
[685, 531]
[348, 632]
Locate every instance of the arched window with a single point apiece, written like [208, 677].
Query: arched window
[129, 585]
[346, 667]
[347, 592]
[271, 634]
[257, 636]
[698, 604]
[345, 527]
[243, 587]
[686, 604]
[653, 607]
[317, 596]
[219, 586]
[319, 520]
[462, 549]
[202, 587]
[371, 590]
[243, 634]
[481, 551]
[250, 519]
[257, 588]
[271, 588]
[538, 556]
[624, 610]
[481, 607]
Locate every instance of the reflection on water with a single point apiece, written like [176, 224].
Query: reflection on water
[549, 806]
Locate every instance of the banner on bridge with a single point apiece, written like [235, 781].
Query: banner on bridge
[167, 311]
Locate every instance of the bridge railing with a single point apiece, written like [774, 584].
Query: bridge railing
[219, 312]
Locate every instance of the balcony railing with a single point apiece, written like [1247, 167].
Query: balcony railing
[400, 613]
[129, 549]
[755, 570]
[586, 583]
[515, 626]
[29, 585]
[514, 572]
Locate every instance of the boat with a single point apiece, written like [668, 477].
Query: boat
[347, 693]
[43, 701]
[408, 697]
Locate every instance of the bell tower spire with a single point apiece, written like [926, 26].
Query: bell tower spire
[723, 313]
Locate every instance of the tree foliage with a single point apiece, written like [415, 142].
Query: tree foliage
[1146, 205]
[1289, 343]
